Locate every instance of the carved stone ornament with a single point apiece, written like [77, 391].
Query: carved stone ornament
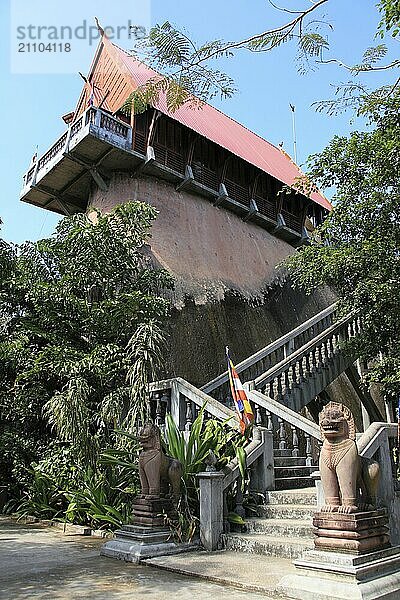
[349, 482]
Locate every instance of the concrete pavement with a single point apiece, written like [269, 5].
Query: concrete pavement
[39, 562]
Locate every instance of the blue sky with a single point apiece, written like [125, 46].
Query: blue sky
[32, 104]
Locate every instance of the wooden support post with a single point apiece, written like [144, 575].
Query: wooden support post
[193, 140]
[63, 206]
[253, 210]
[189, 178]
[98, 179]
[152, 128]
[66, 147]
[35, 172]
[253, 187]
[97, 118]
[150, 158]
[222, 196]
[280, 223]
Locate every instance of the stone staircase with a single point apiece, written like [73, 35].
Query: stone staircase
[283, 526]
[292, 472]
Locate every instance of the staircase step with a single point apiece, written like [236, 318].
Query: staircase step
[267, 544]
[286, 511]
[280, 527]
[303, 496]
[299, 471]
[289, 461]
[283, 453]
[292, 483]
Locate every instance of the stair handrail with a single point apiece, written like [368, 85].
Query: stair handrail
[213, 487]
[218, 410]
[178, 386]
[293, 358]
[287, 414]
[378, 442]
[283, 341]
[253, 451]
[371, 440]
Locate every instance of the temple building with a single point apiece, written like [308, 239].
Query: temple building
[223, 227]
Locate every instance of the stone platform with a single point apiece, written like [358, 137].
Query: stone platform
[148, 536]
[357, 533]
[322, 575]
[39, 562]
[132, 543]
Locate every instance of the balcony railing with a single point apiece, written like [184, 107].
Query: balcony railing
[93, 117]
[237, 192]
[266, 207]
[292, 221]
[205, 176]
[139, 144]
[169, 158]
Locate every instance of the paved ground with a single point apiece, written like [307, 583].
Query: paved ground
[38, 562]
[248, 571]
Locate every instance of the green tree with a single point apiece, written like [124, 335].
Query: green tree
[80, 335]
[357, 249]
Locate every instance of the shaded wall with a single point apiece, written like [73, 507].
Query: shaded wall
[228, 289]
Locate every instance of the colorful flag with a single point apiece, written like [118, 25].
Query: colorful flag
[242, 404]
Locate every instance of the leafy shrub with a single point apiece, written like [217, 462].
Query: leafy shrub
[192, 450]
[63, 489]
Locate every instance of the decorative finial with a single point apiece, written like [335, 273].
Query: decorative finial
[211, 460]
[99, 27]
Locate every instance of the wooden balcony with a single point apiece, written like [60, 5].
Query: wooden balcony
[94, 146]
[98, 144]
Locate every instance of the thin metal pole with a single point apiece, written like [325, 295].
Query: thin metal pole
[293, 109]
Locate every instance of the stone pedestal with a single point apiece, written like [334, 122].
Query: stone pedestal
[148, 536]
[323, 575]
[152, 512]
[357, 533]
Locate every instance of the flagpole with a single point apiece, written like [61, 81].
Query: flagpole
[398, 432]
[293, 109]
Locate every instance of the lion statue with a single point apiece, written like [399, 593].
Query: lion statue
[348, 480]
[157, 471]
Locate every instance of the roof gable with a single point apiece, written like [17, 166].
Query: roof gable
[117, 74]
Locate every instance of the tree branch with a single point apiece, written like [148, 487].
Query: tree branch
[293, 12]
[290, 26]
[359, 68]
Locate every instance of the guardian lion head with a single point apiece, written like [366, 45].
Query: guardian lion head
[149, 437]
[336, 422]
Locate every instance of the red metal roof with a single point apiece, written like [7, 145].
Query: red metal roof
[224, 131]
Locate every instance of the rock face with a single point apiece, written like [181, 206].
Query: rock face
[209, 251]
[229, 288]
